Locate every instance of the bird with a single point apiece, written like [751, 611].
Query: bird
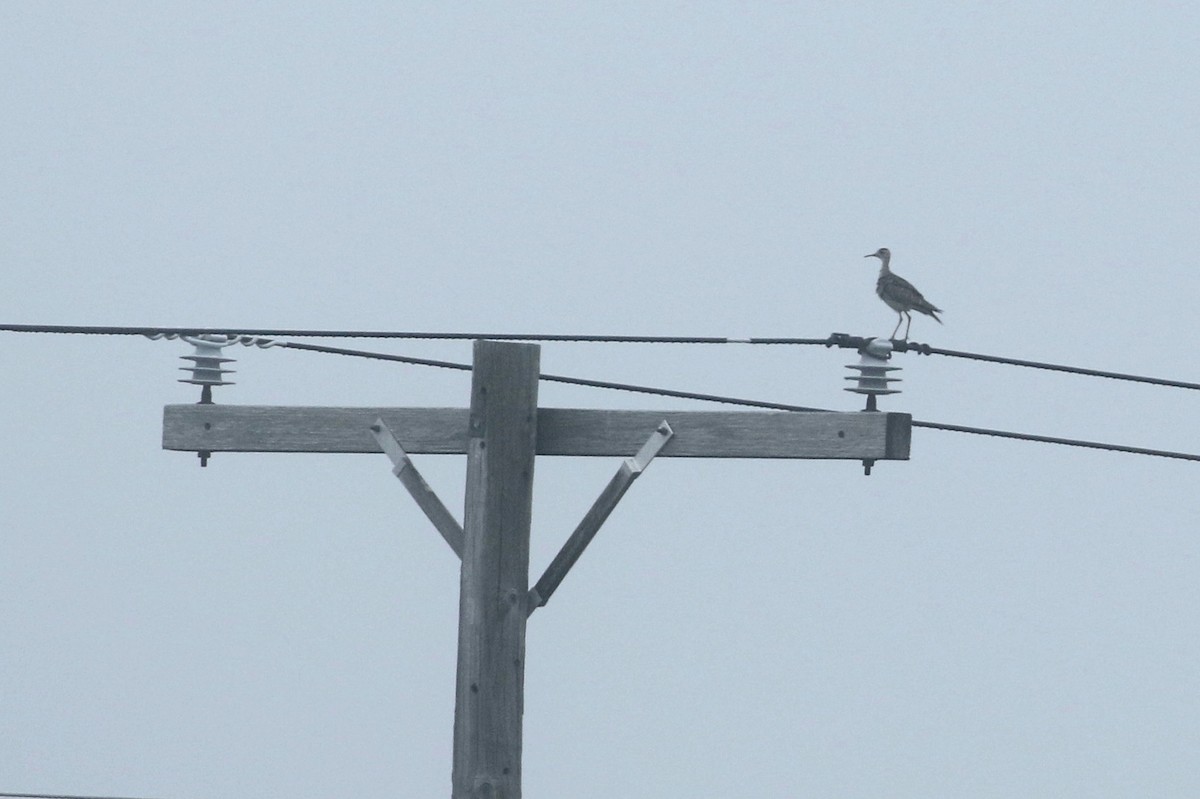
[900, 295]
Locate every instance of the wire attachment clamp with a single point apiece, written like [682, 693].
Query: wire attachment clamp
[208, 358]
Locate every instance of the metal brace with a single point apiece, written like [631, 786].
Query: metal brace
[631, 469]
[406, 471]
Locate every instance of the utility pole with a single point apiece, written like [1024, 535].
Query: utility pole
[489, 697]
[501, 433]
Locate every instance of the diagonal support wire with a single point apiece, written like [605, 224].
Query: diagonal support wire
[630, 470]
[406, 471]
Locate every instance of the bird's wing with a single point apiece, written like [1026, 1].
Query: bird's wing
[902, 292]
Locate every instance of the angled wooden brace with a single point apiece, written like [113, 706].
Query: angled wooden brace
[406, 471]
[630, 470]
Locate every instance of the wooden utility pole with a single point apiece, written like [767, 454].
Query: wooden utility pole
[500, 435]
[489, 695]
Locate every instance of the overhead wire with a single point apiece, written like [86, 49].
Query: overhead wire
[103, 330]
[926, 349]
[752, 403]
[577, 381]
[58, 796]
[1076, 370]
[841, 340]
[1066, 442]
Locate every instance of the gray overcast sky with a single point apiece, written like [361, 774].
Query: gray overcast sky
[990, 619]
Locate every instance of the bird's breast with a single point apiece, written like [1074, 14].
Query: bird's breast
[882, 289]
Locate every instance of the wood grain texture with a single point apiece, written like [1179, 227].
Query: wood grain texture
[425, 497]
[579, 539]
[560, 431]
[489, 697]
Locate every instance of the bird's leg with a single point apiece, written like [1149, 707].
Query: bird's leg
[899, 319]
[909, 326]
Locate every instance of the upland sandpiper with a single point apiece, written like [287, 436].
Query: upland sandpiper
[900, 295]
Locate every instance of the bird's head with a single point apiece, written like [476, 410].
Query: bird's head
[883, 254]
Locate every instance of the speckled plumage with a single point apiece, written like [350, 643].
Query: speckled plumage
[900, 295]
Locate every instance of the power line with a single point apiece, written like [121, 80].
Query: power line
[841, 340]
[57, 796]
[1066, 442]
[577, 381]
[379, 356]
[102, 330]
[780, 406]
[925, 349]
[846, 341]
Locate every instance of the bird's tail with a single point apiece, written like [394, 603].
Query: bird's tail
[926, 307]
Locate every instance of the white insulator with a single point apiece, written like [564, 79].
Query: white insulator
[208, 361]
[872, 378]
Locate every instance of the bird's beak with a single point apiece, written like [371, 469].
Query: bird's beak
[872, 255]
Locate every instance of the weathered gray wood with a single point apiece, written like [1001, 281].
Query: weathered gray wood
[406, 471]
[489, 693]
[585, 531]
[560, 431]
